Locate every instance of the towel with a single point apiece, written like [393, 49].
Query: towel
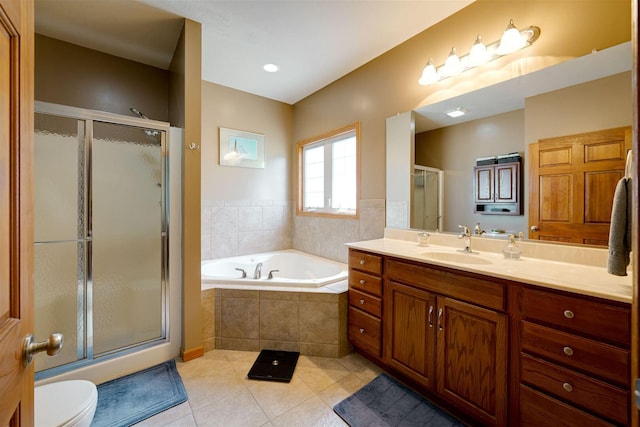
[620, 229]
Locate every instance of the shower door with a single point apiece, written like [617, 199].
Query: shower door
[101, 234]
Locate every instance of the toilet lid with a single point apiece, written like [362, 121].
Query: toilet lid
[59, 403]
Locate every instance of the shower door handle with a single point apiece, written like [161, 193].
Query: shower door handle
[29, 348]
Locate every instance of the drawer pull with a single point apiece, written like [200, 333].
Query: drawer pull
[568, 314]
[362, 302]
[567, 387]
[431, 316]
[361, 262]
[362, 330]
[568, 351]
[362, 281]
[440, 327]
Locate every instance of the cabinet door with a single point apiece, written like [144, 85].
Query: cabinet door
[472, 359]
[483, 184]
[506, 183]
[410, 331]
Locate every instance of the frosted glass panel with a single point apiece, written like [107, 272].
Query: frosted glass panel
[57, 155]
[56, 300]
[127, 236]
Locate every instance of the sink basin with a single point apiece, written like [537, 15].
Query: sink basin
[457, 257]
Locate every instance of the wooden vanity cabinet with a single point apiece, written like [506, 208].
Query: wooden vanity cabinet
[365, 302]
[574, 359]
[437, 338]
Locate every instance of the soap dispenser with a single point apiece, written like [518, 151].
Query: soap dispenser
[511, 249]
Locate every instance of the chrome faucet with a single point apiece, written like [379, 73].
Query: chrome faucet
[258, 271]
[466, 236]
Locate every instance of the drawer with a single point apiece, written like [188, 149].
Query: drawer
[365, 282]
[365, 302]
[593, 357]
[594, 395]
[539, 410]
[365, 331]
[598, 319]
[472, 289]
[365, 261]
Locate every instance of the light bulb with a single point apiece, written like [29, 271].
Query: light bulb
[511, 40]
[429, 74]
[478, 54]
[452, 65]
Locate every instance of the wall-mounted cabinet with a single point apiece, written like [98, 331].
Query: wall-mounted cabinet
[497, 189]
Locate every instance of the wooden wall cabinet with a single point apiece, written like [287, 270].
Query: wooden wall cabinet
[497, 189]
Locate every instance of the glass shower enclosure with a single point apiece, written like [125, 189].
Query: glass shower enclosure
[101, 234]
[426, 198]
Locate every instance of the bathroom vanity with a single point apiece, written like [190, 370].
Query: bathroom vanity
[505, 342]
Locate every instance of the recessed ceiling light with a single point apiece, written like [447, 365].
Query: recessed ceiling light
[456, 112]
[271, 68]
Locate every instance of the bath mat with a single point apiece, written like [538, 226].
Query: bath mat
[274, 365]
[384, 403]
[138, 396]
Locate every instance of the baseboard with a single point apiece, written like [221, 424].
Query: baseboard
[193, 353]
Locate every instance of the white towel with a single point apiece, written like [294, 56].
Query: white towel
[620, 229]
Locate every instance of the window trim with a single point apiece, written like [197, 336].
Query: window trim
[300, 178]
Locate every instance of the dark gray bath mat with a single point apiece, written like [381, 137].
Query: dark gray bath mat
[274, 365]
[386, 403]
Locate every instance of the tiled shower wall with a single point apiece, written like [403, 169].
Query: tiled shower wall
[242, 227]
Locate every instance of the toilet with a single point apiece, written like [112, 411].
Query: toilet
[65, 403]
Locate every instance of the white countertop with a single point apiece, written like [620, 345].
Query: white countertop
[578, 278]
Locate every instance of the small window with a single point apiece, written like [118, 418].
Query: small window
[328, 173]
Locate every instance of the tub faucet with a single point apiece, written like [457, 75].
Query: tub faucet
[466, 236]
[258, 271]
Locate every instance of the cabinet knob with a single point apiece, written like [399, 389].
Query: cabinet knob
[361, 262]
[362, 302]
[567, 387]
[362, 281]
[568, 351]
[568, 314]
[362, 330]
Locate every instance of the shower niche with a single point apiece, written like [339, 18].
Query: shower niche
[101, 234]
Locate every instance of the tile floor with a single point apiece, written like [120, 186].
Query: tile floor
[221, 395]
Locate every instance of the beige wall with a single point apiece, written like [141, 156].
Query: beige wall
[388, 84]
[601, 104]
[68, 74]
[245, 210]
[186, 109]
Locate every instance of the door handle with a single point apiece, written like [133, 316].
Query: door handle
[30, 348]
[534, 228]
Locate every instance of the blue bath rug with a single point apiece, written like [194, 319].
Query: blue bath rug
[386, 403]
[138, 396]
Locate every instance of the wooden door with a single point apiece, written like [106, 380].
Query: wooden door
[410, 331]
[571, 184]
[472, 359]
[16, 209]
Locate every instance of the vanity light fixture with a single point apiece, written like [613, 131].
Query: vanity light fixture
[512, 40]
[456, 112]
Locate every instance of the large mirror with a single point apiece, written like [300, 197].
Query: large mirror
[582, 95]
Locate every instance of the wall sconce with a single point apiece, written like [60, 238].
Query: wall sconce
[512, 40]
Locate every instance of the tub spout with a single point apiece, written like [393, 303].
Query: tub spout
[258, 271]
[244, 273]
